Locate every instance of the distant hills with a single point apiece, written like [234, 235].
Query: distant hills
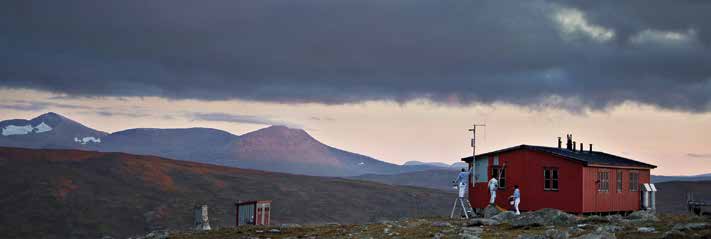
[456, 166]
[662, 178]
[275, 148]
[82, 194]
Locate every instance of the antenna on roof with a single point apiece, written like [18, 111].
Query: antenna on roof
[473, 144]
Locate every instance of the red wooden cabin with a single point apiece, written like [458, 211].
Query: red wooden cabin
[570, 179]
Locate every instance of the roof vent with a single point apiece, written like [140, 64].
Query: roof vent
[569, 142]
[574, 146]
[560, 143]
[590, 148]
[581, 147]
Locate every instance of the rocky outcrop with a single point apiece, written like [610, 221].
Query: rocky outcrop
[491, 211]
[597, 235]
[543, 217]
[644, 216]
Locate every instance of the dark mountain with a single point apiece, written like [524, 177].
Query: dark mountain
[662, 178]
[434, 178]
[672, 196]
[49, 130]
[275, 148]
[436, 164]
[84, 194]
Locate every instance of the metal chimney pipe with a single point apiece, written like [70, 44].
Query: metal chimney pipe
[574, 144]
[581, 147]
[591, 148]
[560, 143]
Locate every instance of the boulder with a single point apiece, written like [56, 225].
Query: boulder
[674, 234]
[646, 229]
[482, 222]
[644, 216]
[491, 211]
[557, 234]
[441, 224]
[504, 217]
[543, 217]
[525, 236]
[691, 226]
[597, 235]
[614, 218]
[609, 228]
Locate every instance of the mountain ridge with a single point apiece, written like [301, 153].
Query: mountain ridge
[274, 148]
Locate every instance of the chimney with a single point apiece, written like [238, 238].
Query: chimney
[591, 148]
[581, 147]
[560, 143]
[569, 142]
[574, 144]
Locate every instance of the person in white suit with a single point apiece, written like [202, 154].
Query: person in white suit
[493, 185]
[462, 182]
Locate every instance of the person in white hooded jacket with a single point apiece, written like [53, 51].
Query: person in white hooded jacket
[493, 185]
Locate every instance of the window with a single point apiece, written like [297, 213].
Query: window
[634, 181]
[550, 179]
[603, 181]
[495, 173]
[618, 177]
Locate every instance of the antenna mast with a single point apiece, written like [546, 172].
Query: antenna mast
[471, 166]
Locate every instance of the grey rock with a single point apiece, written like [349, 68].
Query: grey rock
[482, 222]
[557, 234]
[504, 217]
[597, 235]
[491, 211]
[543, 217]
[644, 215]
[691, 226]
[157, 235]
[441, 224]
[609, 228]
[290, 225]
[614, 218]
[471, 232]
[595, 219]
[274, 230]
[673, 234]
[525, 236]
[646, 229]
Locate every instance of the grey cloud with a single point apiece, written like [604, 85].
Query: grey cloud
[233, 118]
[701, 156]
[30, 105]
[344, 51]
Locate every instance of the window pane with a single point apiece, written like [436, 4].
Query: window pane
[546, 174]
[555, 174]
[555, 184]
[547, 184]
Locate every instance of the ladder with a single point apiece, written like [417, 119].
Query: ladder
[466, 207]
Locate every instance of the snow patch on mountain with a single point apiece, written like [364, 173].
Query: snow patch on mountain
[42, 127]
[17, 130]
[25, 129]
[86, 140]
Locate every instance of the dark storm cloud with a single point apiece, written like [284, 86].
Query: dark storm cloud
[233, 118]
[342, 51]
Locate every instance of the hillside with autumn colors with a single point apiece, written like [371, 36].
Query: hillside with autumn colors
[80, 194]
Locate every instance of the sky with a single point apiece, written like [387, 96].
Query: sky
[397, 80]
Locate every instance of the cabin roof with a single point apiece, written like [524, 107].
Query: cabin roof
[584, 156]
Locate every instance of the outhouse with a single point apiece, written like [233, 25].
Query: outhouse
[253, 212]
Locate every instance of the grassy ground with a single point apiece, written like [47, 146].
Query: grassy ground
[435, 227]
